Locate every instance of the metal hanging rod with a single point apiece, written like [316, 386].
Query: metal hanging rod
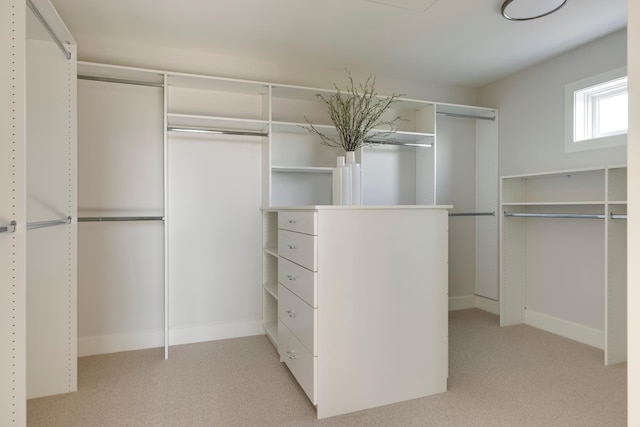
[46, 26]
[472, 213]
[8, 228]
[466, 116]
[396, 142]
[618, 216]
[119, 218]
[121, 81]
[554, 215]
[51, 223]
[216, 131]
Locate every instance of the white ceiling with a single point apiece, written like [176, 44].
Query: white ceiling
[460, 42]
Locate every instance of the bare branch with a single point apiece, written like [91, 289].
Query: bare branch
[355, 113]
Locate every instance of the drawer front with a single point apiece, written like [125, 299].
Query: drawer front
[298, 280]
[298, 316]
[302, 222]
[299, 361]
[299, 248]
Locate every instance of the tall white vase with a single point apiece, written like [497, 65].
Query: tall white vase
[355, 173]
[341, 183]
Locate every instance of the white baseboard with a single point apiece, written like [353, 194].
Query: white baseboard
[565, 328]
[89, 346]
[486, 304]
[461, 303]
[103, 344]
[203, 333]
[474, 301]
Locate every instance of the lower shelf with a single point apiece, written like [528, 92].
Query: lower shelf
[271, 328]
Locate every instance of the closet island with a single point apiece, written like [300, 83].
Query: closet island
[356, 301]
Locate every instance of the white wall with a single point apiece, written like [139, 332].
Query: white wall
[531, 106]
[261, 69]
[633, 276]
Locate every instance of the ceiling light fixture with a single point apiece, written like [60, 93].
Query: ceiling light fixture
[525, 10]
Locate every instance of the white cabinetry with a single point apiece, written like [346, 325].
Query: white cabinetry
[397, 168]
[563, 255]
[356, 286]
[38, 243]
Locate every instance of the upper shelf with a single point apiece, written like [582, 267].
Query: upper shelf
[377, 136]
[217, 123]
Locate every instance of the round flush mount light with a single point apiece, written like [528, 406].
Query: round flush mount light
[525, 10]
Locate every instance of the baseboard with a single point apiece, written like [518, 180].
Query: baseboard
[486, 304]
[103, 344]
[474, 301]
[571, 330]
[89, 346]
[461, 303]
[203, 333]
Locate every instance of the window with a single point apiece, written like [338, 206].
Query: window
[597, 112]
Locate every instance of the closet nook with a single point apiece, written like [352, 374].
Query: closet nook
[563, 255]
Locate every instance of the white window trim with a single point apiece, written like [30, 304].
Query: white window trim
[596, 143]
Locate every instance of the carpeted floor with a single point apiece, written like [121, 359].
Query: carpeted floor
[513, 376]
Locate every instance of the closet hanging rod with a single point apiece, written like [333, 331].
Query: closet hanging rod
[121, 81]
[8, 228]
[466, 116]
[396, 142]
[618, 216]
[46, 26]
[119, 218]
[216, 131]
[51, 223]
[554, 215]
[472, 213]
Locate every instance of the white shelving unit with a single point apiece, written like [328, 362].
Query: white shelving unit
[206, 113]
[301, 166]
[563, 255]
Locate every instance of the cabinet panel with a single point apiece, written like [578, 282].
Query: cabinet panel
[299, 248]
[302, 222]
[299, 360]
[298, 316]
[298, 280]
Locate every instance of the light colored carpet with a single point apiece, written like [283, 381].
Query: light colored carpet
[513, 376]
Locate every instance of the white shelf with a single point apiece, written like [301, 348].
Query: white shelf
[301, 169]
[618, 202]
[219, 84]
[271, 251]
[577, 203]
[271, 328]
[381, 136]
[217, 123]
[272, 288]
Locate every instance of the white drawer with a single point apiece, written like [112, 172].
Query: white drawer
[302, 222]
[299, 248]
[299, 361]
[298, 316]
[298, 280]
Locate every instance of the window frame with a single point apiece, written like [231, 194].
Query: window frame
[584, 114]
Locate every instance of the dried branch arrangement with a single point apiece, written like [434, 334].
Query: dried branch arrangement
[354, 113]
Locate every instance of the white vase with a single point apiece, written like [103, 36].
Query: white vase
[354, 170]
[338, 179]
